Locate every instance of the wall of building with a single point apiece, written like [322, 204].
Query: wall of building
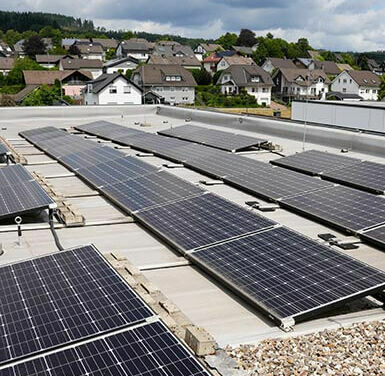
[341, 114]
[176, 95]
[261, 94]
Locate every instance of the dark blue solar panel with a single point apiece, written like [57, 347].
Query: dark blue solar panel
[60, 298]
[375, 236]
[288, 274]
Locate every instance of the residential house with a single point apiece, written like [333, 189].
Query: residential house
[245, 51]
[344, 67]
[375, 67]
[188, 62]
[6, 65]
[66, 43]
[137, 48]
[206, 48]
[329, 67]
[366, 84]
[107, 44]
[304, 63]
[19, 46]
[273, 63]
[93, 66]
[210, 63]
[227, 61]
[172, 49]
[111, 89]
[173, 83]
[120, 65]
[5, 49]
[72, 81]
[251, 78]
[90, 50]
[50, 61]
[295, 83]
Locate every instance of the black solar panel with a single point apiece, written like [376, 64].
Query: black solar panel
[275, 183]
[287, 274]
[108, 130]
[214, 138]
[343, 207]
[3, 149]
[61, 298]
[369, 176]
[153, 143]
[315, 162]
[20, 193]
[150, 190]
[202, 220]
[115, 171]
[375, 236]
[148, 350]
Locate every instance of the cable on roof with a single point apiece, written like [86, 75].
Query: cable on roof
[54, 233]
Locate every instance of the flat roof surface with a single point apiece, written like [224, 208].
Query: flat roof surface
[203, 300]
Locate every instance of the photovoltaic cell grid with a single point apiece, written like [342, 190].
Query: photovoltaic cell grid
[288, 274]
[201, 220]
[20, 193]
[376, 236]
[214, 138]
[315, 162]
[146, 350]
[61, 298]
[342, 207]
[3, 149]
[369, 176]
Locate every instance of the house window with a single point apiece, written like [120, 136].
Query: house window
[173, 78]
[264, 90]
[344, 90]
[168, 78]
[127, 90]
[374, 91]
[89, 88]
[351, 80]
[367, 91]
[255, 79]
[113, 90]
[178, 78]
[172, 98]
[185, 98]
[345, 80]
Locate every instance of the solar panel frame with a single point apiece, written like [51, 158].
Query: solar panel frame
[375, 236]
[149, 349]
[342, 207]
[68, 299]
[367, 176]
[253, 255]
[189, 224]
[314, 162]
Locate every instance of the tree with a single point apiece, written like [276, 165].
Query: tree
[201, 76]
[34, 46]
[15, 76]
[269, 36]
[227, 40]
[246, 38]
[362, 62]
[110, 54]
[128, 35]
[74, 50]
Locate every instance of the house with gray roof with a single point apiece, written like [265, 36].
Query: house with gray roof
[188, 62]
[173, 83]
[137, 48]
[120, 65]
[112, 89]
[6, 65]
[273, 63]
[295, 83]
[95, 66]
[366, 84]
[250, 78]
[175, 49]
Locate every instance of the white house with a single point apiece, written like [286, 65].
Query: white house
[171, 83]
[137, 48]
[251, 78]
[366, 84]
[120, 65]
[206, 48]
[300, 83]
[5, 49]
[111, 89]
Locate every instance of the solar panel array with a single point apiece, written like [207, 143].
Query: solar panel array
[364, 175]
[214, 138]
[20, 193]
[376, 236]
[263, 180]
[288, 274]
[70, 313]
[196, 223]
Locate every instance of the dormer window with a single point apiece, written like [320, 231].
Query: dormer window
[255, 79]
[173, 78]
[320, 80]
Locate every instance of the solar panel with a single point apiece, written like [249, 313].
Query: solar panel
[287, 274]
[375, 236]
[153, 143]
[106, 129]
[60, 298]
[20, 193]
[150, 190]
[3, 149]
[148, 350]
[202, 220]
[369, 176]
[115, 171]
[343, 207]
[214, 138]
[275, 183]
[314, 162]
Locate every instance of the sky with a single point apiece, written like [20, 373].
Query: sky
[343, 25]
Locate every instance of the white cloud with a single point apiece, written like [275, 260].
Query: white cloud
[333, 24]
